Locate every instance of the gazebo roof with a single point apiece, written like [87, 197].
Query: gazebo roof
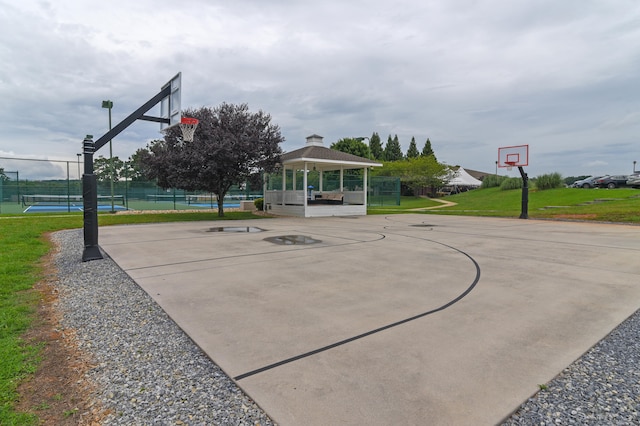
[315, 152]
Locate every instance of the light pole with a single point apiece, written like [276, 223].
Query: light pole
[496, 168]
[361, 139]
[126, 186]
[634, 166]
[109, 105]
[79, 175]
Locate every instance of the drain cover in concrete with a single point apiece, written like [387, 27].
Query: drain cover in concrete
[292, 240]
[235, 229]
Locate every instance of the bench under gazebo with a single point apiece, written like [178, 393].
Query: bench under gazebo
[318, 181]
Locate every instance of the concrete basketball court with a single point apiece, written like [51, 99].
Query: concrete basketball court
[402, 319]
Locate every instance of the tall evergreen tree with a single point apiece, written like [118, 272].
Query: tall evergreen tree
[393, 150]
[413, 152]
[386, 146]
[375, 147]
[427, 150]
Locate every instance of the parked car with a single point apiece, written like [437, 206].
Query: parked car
[634, 180]
[613, 181]
[586, 183]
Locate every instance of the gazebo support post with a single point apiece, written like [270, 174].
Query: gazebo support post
[284, 183]
[304, 186]
[364, 185]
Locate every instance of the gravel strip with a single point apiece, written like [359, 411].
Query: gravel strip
[151, 373]
[600, 388]
[148, 371]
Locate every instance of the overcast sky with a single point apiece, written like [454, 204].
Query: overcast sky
[472, 76]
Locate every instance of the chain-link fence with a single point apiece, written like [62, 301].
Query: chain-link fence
[384, 191]
[24, 190]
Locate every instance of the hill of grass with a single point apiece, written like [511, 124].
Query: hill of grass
[610, 205]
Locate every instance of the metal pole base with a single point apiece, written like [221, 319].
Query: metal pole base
[91, 253]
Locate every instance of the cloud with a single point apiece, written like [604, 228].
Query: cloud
[470, 75]
[32, 168]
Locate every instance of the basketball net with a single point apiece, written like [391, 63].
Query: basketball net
[509, 165]
[188, 126]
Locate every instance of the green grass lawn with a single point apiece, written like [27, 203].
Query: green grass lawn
[406, 204]
[23, 245]
[609, 205]
[17, 208]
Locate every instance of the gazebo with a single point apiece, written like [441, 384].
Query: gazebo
[318, 181]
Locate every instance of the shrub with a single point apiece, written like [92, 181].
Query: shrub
[259, 203]
[549, 181]
[492, 181]
[511, 183]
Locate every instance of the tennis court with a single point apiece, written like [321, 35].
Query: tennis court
[72, 207]
[78, 207]
[74, 203]
[214, 205]
[405, 319]
[47, 203]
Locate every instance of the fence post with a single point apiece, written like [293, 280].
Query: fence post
[68, 190]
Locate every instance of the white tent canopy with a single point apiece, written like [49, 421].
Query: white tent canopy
[461, 178]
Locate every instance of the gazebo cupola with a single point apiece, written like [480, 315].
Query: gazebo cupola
[315, 140]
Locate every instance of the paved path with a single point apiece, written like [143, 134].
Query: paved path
[443, 203]
[404, 319]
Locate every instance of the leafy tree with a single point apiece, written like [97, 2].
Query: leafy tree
[413, 152]
[106, 168]
[427, 150]
[393, 150]
[352, 146]
[416, 173]
[231, 144]
[3, 177]
[375, 147]
[136, 165]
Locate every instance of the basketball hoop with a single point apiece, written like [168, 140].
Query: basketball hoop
[510, 165]
[188, 126]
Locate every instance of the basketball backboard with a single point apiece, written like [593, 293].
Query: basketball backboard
[510, 156]
[170, 106]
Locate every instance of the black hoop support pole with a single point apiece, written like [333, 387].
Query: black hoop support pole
[524, 213]
[89, 182]
[90, 204]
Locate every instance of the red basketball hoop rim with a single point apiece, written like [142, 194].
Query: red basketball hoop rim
[188, 127]
[189, 120]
